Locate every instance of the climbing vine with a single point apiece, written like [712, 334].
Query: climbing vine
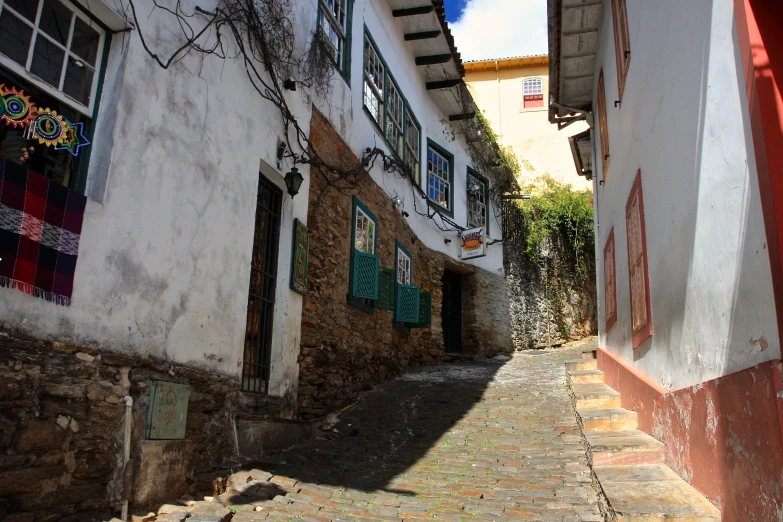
[555, 216]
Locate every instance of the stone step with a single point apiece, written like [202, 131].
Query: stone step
[589, 354]
[610, 448]
[608, 419]
[595, 395]
[585, 377]
[653, 493]
[581, 365]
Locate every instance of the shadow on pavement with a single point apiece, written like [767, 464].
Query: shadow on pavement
[391, 428]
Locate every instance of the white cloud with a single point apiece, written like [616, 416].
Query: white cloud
[501, 28]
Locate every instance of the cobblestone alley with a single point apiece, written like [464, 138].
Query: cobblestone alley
[483, 440]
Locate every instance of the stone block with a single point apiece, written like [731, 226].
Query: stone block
[162, 472]
[40, 435]
[259, 435]
[27, 480]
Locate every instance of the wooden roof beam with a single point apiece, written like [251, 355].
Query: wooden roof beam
[412, 11]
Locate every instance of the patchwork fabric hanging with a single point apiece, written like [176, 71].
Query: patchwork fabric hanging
[40, 227]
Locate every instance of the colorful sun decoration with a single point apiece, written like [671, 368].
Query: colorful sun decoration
[74, 138]
[48, 127]
[18, 110]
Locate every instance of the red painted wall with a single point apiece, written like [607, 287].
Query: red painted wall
[722, 436]
[761, 46]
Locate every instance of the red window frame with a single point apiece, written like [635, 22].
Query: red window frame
[603, 126]
[641, 327]
[622, 43]
[610, 282]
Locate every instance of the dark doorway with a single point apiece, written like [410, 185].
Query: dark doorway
[261, 299]
[452, 312]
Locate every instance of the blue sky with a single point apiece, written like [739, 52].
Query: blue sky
[454, 9]
[485, 29]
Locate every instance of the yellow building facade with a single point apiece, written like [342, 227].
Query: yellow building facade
[513, 93]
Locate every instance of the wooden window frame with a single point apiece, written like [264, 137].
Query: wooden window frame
[610, 277]
[485, 195]
[449, 209]
[403, 150]
[534, 97]
[622, 43]
[342, 58]
[644, 331]
[400, 248]
[603, 126]
[361, 304]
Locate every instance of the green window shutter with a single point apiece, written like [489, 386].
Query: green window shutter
[386, 289]
[425, 311]
[407, 309]
[365, 275]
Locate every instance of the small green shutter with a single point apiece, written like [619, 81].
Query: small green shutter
[425, 311]
[386, 289]
[365, 275]
[407, 304]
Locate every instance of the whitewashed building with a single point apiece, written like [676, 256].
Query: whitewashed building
[173, 251]
[686, 234]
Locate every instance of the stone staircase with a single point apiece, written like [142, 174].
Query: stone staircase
[628, 464]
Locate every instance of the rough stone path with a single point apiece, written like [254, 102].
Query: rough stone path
[482, 440]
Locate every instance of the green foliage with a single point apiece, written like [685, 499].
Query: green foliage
[556, 211]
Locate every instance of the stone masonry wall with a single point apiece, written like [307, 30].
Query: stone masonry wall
[345, 350]
[62, 425]
[548, 307]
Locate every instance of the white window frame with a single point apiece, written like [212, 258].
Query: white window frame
[340, 30]
[403, 267]
[370, 87]
[25, 73]
[479, 206]
[360, 232]
[446, 180]
[532, 86]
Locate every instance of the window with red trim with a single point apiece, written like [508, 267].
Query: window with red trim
[622, 43]
[641, 316]
[610, 282]
[533, 92]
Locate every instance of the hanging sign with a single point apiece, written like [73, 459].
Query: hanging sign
[299, 258]
[474, 243]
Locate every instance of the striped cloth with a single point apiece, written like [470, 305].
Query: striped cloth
[40, 225]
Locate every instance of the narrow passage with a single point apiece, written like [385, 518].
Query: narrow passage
[481, 440]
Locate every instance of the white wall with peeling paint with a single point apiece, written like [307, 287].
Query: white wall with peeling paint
[164, 261]
[684, 122]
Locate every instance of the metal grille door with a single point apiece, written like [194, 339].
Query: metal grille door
[261, 299]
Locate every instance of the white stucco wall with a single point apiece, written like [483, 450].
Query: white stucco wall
[684, 123]
[346, 114]
[164, 259]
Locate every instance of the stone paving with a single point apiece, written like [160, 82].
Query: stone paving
[482, 440]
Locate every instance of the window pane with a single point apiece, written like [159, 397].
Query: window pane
[26, 8]
[85, 42]
[47, 61]
[78, 81]
[16, 36]
[56, 20]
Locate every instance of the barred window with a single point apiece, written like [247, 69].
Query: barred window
[477, 202]
[438, 178]
[374, 71]
[333, 21]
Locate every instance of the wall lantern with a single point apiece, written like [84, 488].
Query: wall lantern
[293, 180]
